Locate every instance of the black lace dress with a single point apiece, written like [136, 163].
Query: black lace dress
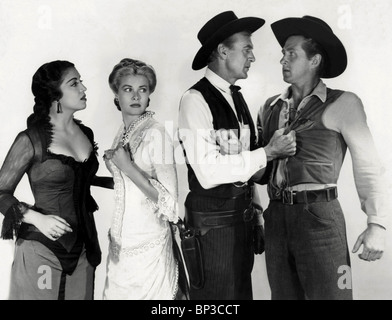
[60, 186]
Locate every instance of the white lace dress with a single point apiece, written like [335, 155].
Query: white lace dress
[140, 263]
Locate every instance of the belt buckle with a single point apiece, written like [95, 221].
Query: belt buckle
[335, 192]
[288, 197]
[332, 193]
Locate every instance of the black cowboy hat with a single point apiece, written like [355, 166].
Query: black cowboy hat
[319, 31]
[218, 29]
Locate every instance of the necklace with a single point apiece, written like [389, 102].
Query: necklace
[133, 125]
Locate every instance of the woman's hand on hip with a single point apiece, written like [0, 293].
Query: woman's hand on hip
[53, 227]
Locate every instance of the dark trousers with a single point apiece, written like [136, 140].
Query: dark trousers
[227, 255]
[228, 263]
[306, 251]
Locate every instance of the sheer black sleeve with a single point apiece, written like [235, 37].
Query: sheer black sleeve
[103, 182]
[16, 163]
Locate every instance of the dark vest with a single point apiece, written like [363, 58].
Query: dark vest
[223, 118]
[320, 151]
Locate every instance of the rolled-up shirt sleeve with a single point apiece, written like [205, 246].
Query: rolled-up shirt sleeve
[348, 117]
[196, 132]
[15, 165]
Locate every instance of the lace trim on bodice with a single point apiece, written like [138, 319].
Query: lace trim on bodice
[132, 129]
[65, 159]
[166, 208]
[119, 188]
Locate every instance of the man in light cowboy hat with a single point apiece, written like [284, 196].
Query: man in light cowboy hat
[216, 206]
[305, 233]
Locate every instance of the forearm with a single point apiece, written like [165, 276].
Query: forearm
[141, 180]
[31, 217]
[13, 214]
[230, 168]
[269, 152]
[370, 181]
[17, 161]
[213, 168]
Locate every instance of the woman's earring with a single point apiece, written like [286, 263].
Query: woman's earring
[59, 108]
[148, 103]
[117, 103]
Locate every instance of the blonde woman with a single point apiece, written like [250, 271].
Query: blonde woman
[141, 261]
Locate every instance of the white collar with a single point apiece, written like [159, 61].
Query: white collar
[319, 91]
[217, 81]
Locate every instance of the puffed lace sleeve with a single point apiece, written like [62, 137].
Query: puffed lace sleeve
[15, 165]
[162, 155]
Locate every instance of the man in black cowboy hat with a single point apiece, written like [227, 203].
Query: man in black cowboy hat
[306, 249]
[216, 206]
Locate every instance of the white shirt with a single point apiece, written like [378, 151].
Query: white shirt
[196, 132]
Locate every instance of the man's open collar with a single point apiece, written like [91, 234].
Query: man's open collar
[320, 91]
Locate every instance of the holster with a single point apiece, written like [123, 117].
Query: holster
[193, 258]
[194, 261]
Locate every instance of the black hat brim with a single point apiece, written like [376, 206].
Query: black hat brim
[250, 24]
[333, 47]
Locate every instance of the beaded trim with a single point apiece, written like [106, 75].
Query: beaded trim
[119, 189]
[133, 125]
[138, 140]
[144, 247]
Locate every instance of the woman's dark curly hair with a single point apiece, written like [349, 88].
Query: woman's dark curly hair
[46, 88]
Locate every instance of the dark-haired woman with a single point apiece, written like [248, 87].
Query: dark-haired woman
[57, 247]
